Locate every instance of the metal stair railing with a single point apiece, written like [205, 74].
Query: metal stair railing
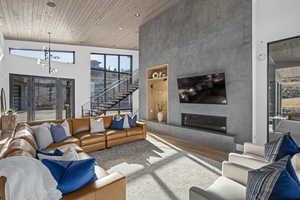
[119, 90]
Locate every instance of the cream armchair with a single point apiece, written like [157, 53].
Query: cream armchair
[253, 157]
[230, 186]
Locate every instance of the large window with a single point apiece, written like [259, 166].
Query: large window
[106, 70]
[67, 57]
[42, 98]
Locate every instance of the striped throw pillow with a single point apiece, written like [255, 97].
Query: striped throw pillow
[272, 182]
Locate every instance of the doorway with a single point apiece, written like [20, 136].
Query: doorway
[284, 88]
[41, 98]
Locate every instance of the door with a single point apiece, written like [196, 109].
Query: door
[41, 98]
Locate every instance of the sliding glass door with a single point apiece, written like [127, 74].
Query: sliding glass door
[41, 98]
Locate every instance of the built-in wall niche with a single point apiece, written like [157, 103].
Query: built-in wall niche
[157, 93]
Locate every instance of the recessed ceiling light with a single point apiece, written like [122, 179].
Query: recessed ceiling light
[120, 28]
[51, 4]
[137, 14]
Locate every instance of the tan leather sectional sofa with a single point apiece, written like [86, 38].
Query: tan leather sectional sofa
[108, 186]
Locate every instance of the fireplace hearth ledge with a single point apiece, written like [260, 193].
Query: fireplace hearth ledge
[214, 139]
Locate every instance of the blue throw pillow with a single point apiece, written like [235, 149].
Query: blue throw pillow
[71, 175]
[272, 182]
[117, 124]
[132, 121]
[281, 147]
[58, 133]
[57, 152]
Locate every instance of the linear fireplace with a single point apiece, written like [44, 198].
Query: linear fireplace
[204, 122]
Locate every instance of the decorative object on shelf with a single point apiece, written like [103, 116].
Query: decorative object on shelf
[11, 111]
[8, 122]
[160, 114]
[164, 74]
[160, 74]
[47, 61]
[155, 75]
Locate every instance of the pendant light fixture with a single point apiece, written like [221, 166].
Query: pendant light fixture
[48, 56]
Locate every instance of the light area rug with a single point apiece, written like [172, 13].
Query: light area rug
[157, 170]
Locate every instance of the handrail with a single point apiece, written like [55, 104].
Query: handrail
[100, 98]
[118, 82]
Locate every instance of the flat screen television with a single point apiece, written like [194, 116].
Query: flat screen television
[205, 89]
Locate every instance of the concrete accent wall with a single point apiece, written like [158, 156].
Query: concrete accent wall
[202, 37]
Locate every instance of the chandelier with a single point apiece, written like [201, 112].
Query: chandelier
[48, 57]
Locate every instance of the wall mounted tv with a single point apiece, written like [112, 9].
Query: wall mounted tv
[205, 89]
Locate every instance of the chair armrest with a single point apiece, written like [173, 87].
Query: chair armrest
[111, 187]
[296, 161]
[143, 126]
[247, 160]
[198, 194]
[254, 149]
[235, 172]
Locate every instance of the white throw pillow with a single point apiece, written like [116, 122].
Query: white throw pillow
[66, 126]
[97, 125]
[126, 122]
[46, 124]
[69, 155]
[43, 136]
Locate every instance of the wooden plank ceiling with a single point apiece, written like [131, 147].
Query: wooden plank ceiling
[103, 23]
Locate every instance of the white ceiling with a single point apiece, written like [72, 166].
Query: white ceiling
[103, 23]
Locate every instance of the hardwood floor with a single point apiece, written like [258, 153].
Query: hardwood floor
[202, 150]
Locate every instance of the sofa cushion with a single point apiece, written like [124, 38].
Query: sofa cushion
[80, 125]
[87, 138]
[107, 120]
[19, 153]
[20, 144]
[115, 134]
[226, 189]
[72, 175]
[58, 133]
[252, 161]
[64, 147]
[69, 140]
[25, 132]
[134, 131]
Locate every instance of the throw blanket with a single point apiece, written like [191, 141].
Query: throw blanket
[28, 179]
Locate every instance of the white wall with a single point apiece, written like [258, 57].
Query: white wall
[2, 46]
[80, 71]
[272, 20]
